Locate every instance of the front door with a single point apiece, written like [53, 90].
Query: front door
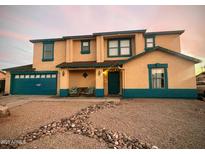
[113, 83]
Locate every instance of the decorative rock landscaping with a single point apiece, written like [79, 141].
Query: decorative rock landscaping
[79, 124]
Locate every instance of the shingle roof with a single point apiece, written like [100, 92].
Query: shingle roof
[20, 68]
[109, 33]
[91, 64]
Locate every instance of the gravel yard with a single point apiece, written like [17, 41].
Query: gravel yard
[166, 123]
[30, 116]
[66, 140]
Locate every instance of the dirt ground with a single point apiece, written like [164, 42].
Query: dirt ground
[66, 140]
[29, 116]
[166, 123]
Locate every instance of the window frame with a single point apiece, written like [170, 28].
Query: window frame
[147, 37]
[85, 51]
[44, 58]
[119, 47]
[157, 65]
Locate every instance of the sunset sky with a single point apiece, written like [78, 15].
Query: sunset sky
[19, 24]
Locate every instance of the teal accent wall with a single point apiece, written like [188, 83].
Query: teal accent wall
[99, 92]
[64, 92]
[160, 93]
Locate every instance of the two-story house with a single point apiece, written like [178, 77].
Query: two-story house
[130, 64]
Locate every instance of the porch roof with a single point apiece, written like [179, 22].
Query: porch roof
[91, 64]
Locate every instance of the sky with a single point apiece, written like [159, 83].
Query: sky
[19, 24]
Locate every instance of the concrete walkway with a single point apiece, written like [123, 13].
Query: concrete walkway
[16, 100]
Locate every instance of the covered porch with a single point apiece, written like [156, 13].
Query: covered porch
[91, 80]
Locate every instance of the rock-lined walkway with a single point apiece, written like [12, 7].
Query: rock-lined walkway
[79, 124]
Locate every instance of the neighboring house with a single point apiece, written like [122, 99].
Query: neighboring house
[200, 80]
[131, 64]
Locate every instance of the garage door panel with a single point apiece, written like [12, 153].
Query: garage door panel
[34, 86]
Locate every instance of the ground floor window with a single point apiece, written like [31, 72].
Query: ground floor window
[158, 78]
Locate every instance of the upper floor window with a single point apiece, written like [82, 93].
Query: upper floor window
[158, 80]
[119, 47]
[85, 47]
[150, 42]
[48, 51]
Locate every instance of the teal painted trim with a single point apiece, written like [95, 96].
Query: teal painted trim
[157, 65]
[34, 72]
[119, 49]
[146, 37]
[64, 92]
[99, 92]
[160, 93]
[85, 51]
[45, 43]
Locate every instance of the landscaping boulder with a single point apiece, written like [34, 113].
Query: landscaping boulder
[4, 111]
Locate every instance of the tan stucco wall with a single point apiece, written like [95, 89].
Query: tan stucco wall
[139, 43]
[181, 73]
[59, 56]
[7, 83]
[2, 76]
[76, 78]
[99, 78]
[171, 42]
[77, 56]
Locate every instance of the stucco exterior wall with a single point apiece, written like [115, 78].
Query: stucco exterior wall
[76, 78]
[171, 42]
[139, 43]
[77, 56]
[59, 56]
[2, 76]
[7, 83]
[181, 73]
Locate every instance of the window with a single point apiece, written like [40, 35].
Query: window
[21, 76]
[37, 76]
[113, 48]
[32, 76]
[119, 47]
[150, 42]
[48, 76]
[26, 76]
[158, 78]
[53, 75]
[48, 51]
[85, 47]
[43, 76]
[16, 76]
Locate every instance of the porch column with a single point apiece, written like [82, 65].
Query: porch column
[99, 92]
[64, 82]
